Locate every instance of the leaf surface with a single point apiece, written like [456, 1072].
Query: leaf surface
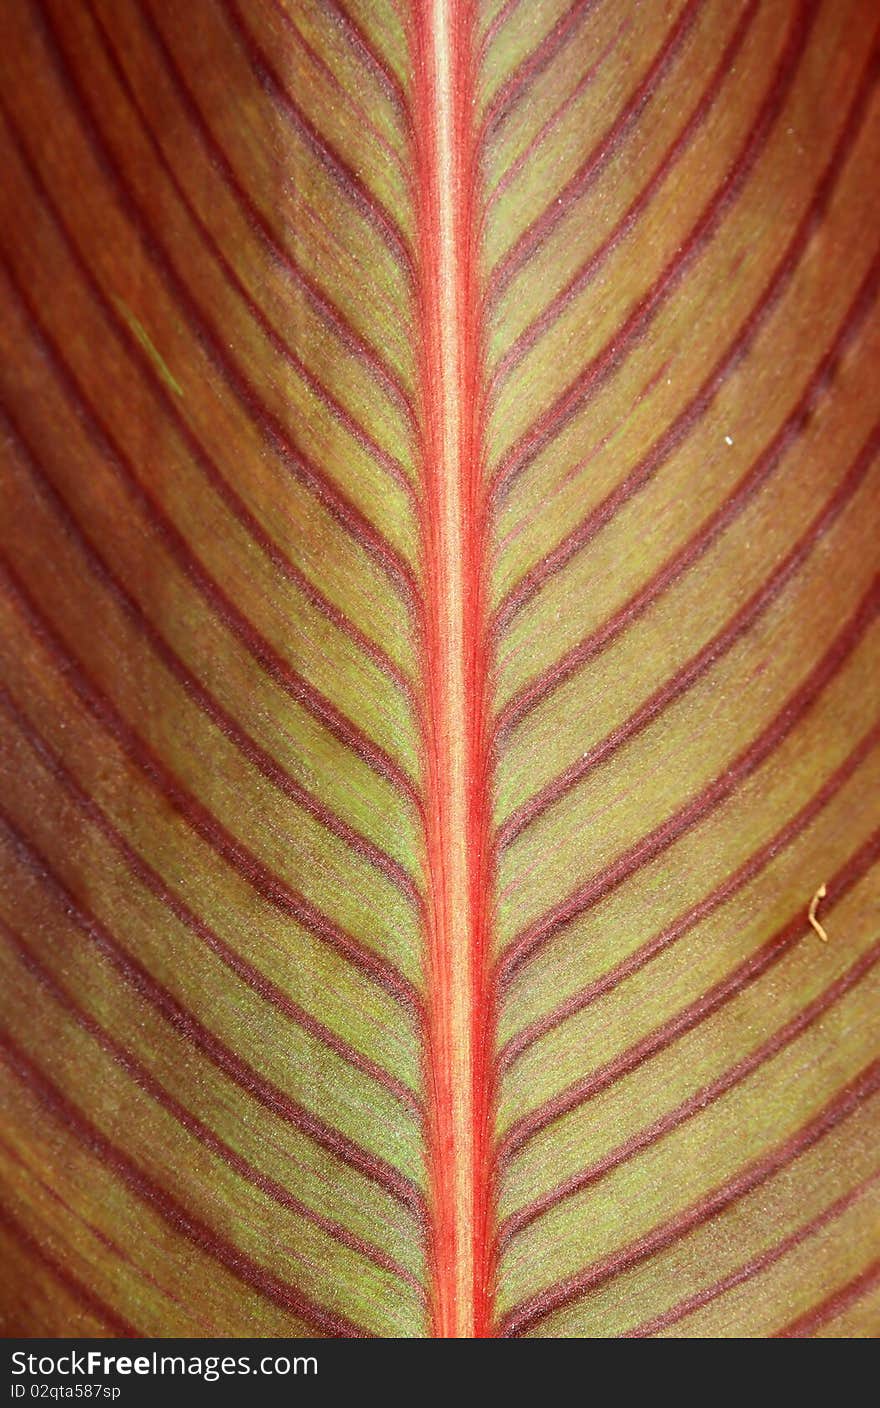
[439, 641]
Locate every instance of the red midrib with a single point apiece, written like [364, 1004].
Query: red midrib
[459, 1005]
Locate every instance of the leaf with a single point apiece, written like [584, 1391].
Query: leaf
[439, 634]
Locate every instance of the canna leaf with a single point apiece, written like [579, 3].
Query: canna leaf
[439, 643]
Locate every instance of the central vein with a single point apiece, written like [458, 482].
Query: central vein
[455, 674]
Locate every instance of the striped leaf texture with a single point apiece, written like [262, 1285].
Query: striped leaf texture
[439, 629]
